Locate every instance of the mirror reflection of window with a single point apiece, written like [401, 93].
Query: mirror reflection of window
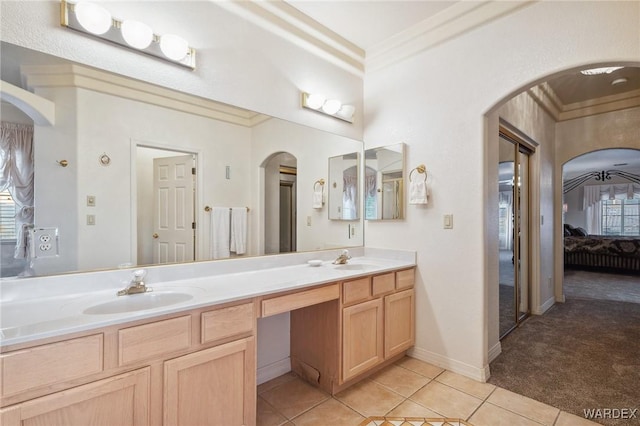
[384, 183]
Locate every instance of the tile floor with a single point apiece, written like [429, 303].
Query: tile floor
[408, 388]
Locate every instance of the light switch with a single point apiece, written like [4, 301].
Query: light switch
[448, 221]
[91, 219]
[91, 200]
[308, 220]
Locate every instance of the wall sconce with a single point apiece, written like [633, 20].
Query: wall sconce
[94, 20]
[331, 107]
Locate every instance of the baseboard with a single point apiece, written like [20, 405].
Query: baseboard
[274, 370]
[545, 306]
[494, 352]
[475, 373]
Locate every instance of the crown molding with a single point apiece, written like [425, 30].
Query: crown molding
[545, 96]
[78, 76]
[453, 21]
[286, 21]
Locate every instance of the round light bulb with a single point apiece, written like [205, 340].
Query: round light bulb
[174, 47]
[93, 18]
[315, 100]
[332, 106]
[137, 34]
[346, 112]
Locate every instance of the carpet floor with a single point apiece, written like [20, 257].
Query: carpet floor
[582, 354]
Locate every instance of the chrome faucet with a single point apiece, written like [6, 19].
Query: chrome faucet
[136, 285]
[343, 258]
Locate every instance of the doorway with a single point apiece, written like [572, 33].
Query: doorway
[166, 193]
[280, 203]
[514, 212]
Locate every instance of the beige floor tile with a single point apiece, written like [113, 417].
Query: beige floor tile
[267, 415]
[400, 380]
[369, 398]
[567, 419]
[330, 412]
[466, 385]
[492, 415]
[294, 397]
[411, 409]
[420, 367]
[524, 406]
[276, 382]
[447, 401]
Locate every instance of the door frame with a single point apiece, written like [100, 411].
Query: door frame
[199, 213]
[535, 218]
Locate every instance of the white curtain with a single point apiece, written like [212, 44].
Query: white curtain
[16, 176]
[505, 202]
[593, 194]
[349, 197]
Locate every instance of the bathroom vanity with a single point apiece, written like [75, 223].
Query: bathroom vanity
[193, 361]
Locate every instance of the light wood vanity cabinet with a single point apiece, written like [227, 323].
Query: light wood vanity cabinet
[136, 374]
[375, 326]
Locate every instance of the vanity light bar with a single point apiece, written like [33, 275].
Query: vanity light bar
[95, 21]
[330, 107]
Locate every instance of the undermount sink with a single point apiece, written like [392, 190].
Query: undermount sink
[138, 302]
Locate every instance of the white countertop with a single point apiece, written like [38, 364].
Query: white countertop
[26, 319]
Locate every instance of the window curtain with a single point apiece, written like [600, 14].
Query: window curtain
[349, 197]
[505, 201]
[16, 176]
[593, 194]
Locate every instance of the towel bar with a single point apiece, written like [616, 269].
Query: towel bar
[208, 209]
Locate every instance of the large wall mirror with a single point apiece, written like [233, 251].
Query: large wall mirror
[384, 183]
[142, 162]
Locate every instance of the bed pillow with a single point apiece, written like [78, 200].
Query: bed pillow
[568, 230]
[579, 232]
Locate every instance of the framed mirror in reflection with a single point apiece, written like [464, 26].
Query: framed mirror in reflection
[344, 184]
[177, 163]
[384, 183]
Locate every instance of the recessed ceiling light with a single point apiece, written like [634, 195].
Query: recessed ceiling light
[603, 70]
[617, 81]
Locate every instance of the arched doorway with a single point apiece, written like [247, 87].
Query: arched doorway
[280, 203]
[601, 225]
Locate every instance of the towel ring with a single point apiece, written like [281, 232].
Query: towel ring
[421, 169]
[318, 182]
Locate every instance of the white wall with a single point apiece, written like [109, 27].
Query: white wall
[436, 101]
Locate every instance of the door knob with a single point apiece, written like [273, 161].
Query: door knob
[155, 235]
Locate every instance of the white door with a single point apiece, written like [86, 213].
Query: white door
[173, 207]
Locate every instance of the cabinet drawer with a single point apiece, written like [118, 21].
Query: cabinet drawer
[405, 279]
[383, 284]
[227, 322]
[291, 302]
[49, 364]
[157, 338]
[356, 290]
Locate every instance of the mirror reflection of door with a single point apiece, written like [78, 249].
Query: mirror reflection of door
[287, 210]
[280, 211]
[165, 206]
[513, 228]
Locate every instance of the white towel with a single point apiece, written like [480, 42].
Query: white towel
[220, 226]
[239, 230]
[418, 192]
[317, 197]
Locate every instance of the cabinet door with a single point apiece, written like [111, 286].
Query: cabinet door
[399, 322]
[362, 334]
[120, 400]
[212, 386]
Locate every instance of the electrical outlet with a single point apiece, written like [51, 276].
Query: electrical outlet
[91, 200]
[44, 242]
